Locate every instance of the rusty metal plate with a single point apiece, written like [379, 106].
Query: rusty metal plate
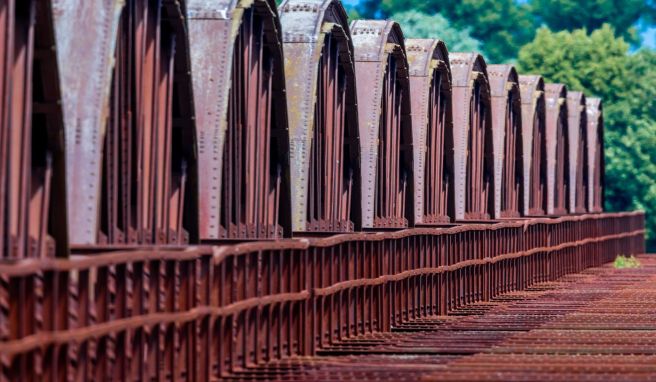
[535, 145]
[557, 150]
[595, 134]
[320, 77]
[385, 125]
[578, 151]
[432, 130]
[507, 140]
[86, 36]
[223, 36]
[472, 137]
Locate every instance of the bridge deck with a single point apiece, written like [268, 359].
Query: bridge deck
[601, 323]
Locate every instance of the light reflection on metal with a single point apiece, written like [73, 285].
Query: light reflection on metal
[507, 140]
[558, 168]
[473, 148]
[535, 145]
[595, 133]
[432, 128]
[323, 124]
[578, 152]
[243, 138]
[385, 125]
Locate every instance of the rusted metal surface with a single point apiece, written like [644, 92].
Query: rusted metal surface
[507, 140]
[558, 166]
[32, 158]
[243, 142]
[596, 325]
[595, 134]
[472, 137]
[86, 36]
[323, 119]
[432, 131]
[578, 152]
[385, 125]
[534, 145]
[148, 188]
[208, 312]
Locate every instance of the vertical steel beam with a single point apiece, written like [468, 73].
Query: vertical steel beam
[578, 152]
[558, 179]
[534, 143]
[507, 140]
[472, 127]
[236, 56]
[323, 120]
[595, 134]
[432, 130]
[385, 125]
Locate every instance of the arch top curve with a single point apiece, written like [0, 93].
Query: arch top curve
[466, 67]
[531, 88]
[371, 39]
[502, 79]
[308, 20]
[424, 55]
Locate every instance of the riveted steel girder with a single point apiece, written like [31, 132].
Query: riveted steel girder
[595, 133]
[578, 151]
[323, 122]
[507, 140]
[243, 145]
[534, 142]
[558, 180]
[432, 130]
[86, 40]
[472, 137]
[384, 122]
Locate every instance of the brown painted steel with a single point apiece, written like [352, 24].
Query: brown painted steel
[148, 190]
[385, 125]
[432, 131]
[535, 145]
[595, 134]
[86, 40]
[243, 143]
[32, 158]
[578, 153]
[203, 313]
[558, 166]
[323, 120]
[507, 140]
[473, 146]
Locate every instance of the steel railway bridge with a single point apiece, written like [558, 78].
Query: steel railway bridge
[209, 189]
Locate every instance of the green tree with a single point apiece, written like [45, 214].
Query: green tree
[592, 14]
[416, 24]
[503, 26]
[600, 64]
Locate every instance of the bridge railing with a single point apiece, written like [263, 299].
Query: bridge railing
[202, 312]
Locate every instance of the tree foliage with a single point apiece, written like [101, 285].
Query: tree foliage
[600, 65]
[416, 24]
[592, 14]
[503, 26]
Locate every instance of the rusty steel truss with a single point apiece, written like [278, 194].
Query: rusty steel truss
[507, 140]
[534, 145]
[193, 189]
[323, 119]
[472, 138]
[432, 131]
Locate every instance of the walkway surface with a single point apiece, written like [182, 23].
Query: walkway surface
[596, 325]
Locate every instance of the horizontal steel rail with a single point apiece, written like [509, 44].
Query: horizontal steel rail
[202, 312]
